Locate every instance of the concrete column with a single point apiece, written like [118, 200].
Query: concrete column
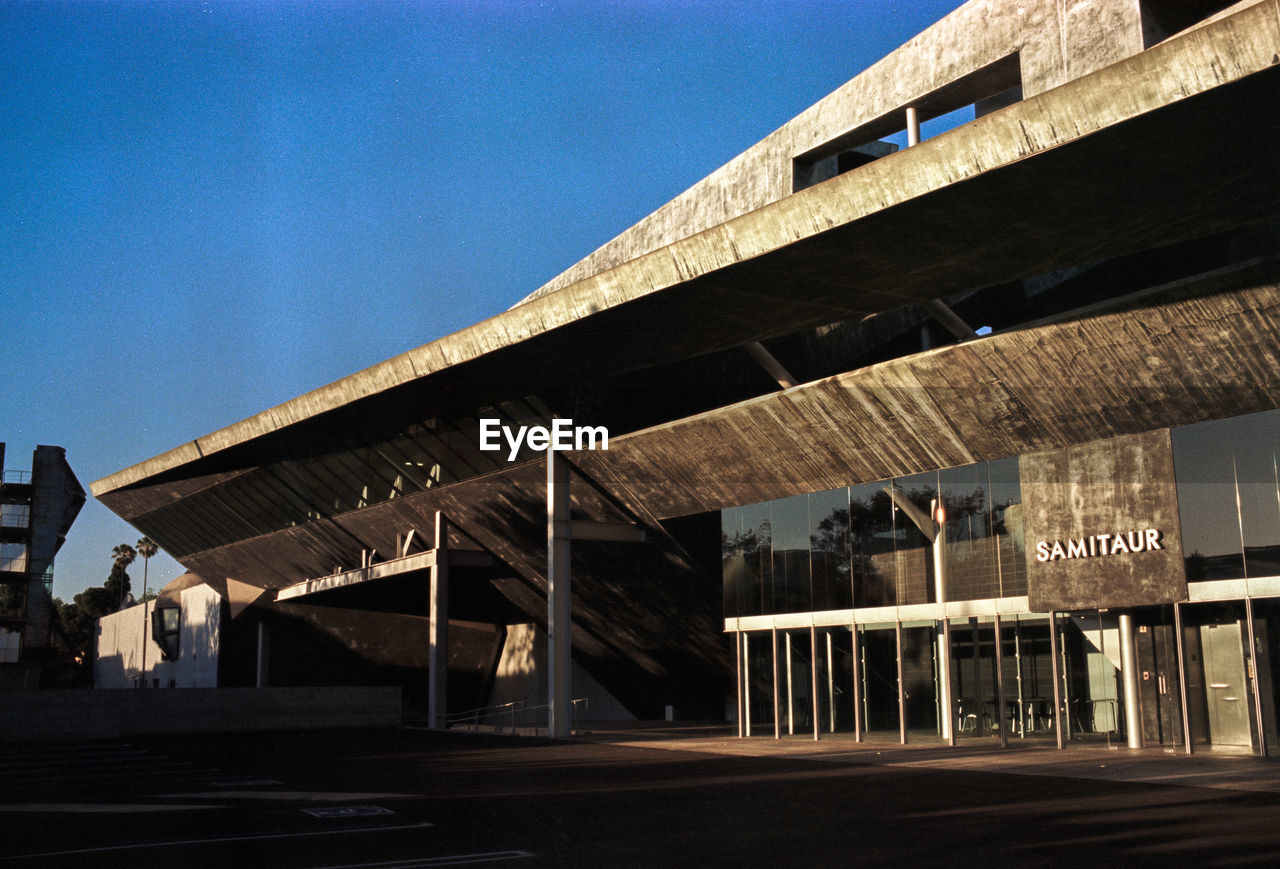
[902, 692]
[777, 710]
[438, 629]
[1129, 673]
[1000, 701]
[913, 127]
[264, 675]
[559, 647]
[1056, 668]
[857, 684]
[945, 704]
[738, 640]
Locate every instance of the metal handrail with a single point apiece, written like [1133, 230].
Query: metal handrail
[474, 716]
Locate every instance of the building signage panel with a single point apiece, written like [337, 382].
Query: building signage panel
[1101, 524]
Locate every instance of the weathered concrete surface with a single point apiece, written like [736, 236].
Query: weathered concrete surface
[1202, 349]
[1060, 179]
[1050, 42]
[1112, 487]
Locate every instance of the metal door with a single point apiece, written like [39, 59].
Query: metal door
[1226, 689]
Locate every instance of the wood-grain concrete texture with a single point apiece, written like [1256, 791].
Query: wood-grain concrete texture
[1203, 348]
[1168, 144]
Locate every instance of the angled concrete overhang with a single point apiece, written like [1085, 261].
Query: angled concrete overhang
[1173, 143]
[1207, 347]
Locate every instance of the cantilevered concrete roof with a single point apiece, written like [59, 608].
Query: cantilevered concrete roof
[1172, 143]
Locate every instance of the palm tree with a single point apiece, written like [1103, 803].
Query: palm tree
[123, 555]
[146, 548]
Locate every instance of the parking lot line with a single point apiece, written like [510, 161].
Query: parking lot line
[172, 843]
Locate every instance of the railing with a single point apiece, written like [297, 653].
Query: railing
[16, 477]
[504, 716]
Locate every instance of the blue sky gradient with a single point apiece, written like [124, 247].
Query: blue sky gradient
[210, 208]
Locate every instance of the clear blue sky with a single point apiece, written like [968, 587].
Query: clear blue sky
[210, 208]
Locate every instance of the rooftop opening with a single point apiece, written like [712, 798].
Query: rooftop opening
[981, 92]
[1162, 19]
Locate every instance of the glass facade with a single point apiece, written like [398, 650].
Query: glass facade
[1204, 671]
[856, 547]
[1229, 496]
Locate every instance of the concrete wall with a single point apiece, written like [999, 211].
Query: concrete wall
[522, 676]
[91, 714]
[1054, 41]
[119, 650]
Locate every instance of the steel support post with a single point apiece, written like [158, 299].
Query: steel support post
[559, 647]
[1000, 707]
[1129, 673]
[1252, 659]
[856, 652]
[777, 712]
[902, 688]
[813, 676]
[913, 126]
[1056, 670]
[1182, 678]
[438, 629]
[264, 660]
[739, 682]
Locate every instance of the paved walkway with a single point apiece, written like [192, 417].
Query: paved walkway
[1207, 768]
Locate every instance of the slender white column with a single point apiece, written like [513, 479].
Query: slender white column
[264, 675]
[1129, 673]
[438, 629]
[559, 647]
[945, 704]
[913, 127]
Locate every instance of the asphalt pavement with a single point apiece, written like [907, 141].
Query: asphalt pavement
[656, 796]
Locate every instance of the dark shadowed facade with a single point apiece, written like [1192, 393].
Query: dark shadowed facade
[976, 437]
[37, 507]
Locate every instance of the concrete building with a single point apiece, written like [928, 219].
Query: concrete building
[37, 508]
[170, 642]
[973, 438]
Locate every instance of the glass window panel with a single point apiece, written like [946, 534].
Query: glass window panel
[1256, 439]
[14, 515]
[1204, 471]
[13, 600]
[829, 549]
[10, 645]
[871, 546]
[791, 554]
[757, 552]
[13, 557]
[971, 563]
[914, 555]
[757, 682]
[835, 679]
[1006, 525]
[734, 565]
[878, 671]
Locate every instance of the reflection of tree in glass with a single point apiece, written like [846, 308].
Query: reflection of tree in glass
[966, 513]
[11, 599]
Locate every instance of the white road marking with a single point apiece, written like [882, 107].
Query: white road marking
[452, 860]
[176, 843]
[318, 796]
[100, 808]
